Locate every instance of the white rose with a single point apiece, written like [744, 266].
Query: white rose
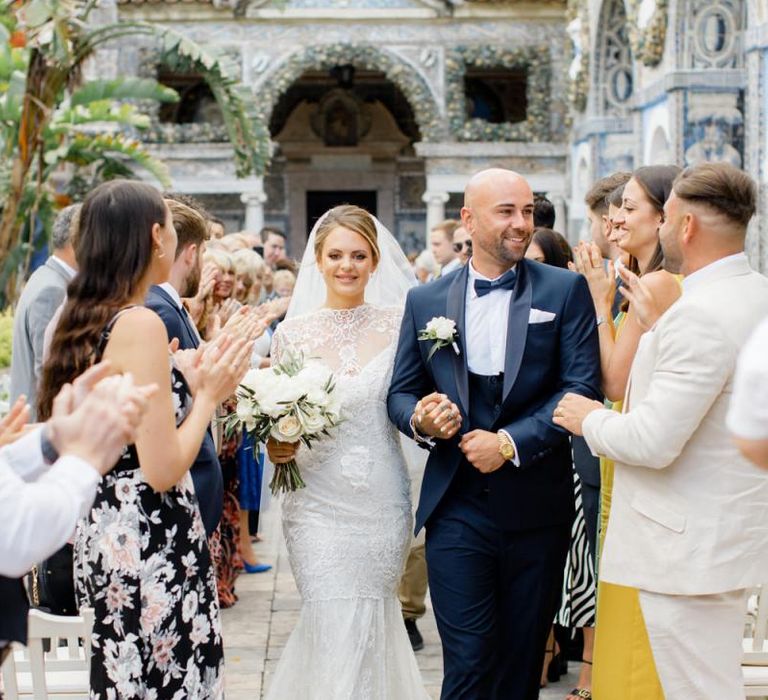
[443, 328]
[245, 413]
[287, 429]
[314, 423]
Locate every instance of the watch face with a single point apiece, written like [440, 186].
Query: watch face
[507, 451]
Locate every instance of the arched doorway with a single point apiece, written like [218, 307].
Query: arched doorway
[346, 135]
[345, 119]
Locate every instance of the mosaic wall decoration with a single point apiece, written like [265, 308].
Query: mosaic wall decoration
[714, 128]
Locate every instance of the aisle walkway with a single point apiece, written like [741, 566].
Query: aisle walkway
[256, 629]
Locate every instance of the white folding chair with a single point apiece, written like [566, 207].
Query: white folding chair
[754, 665]
[58, 674]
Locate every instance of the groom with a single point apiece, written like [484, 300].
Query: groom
[497, 496]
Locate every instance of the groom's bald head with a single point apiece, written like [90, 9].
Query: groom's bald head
[498, 214]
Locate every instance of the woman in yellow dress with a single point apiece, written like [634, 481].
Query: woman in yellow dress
[623, 663]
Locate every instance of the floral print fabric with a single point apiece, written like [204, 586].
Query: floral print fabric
[142, 563]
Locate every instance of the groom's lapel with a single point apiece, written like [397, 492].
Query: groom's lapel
[517, 326]
[455, 309]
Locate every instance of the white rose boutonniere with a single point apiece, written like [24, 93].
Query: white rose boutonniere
[442, 332]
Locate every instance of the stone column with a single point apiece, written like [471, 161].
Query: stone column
[435, 202]
[254, 199]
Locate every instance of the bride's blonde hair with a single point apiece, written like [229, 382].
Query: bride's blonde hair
[350, 217]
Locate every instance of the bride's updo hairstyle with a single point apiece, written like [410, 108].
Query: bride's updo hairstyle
[352, 218]
[114, 249]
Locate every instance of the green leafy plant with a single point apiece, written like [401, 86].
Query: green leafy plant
[52, 123]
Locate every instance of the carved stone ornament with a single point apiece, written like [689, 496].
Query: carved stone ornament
[366, 57]
[536, 61]
[341, 119]
[648, 41]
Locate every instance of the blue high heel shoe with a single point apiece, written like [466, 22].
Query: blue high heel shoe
[256, 568]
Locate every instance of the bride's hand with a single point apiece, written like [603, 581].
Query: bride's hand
[437, 416]
[281, 452]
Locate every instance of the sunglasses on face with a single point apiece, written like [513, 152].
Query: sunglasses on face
[457, 247]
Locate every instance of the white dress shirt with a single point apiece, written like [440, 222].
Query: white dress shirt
[40, 504]
[748, 412]
[170, 290]
[486, 327]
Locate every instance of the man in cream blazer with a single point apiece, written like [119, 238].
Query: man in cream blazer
[689, 515]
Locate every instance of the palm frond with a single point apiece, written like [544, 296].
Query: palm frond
[122, 89]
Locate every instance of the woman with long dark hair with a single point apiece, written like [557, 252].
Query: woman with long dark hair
[141, 557]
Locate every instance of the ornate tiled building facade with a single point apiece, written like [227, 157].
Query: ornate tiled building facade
[394, 103]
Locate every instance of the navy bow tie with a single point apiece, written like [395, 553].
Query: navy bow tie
[506, 281]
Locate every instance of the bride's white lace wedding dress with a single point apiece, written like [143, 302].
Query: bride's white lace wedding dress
[349, 530]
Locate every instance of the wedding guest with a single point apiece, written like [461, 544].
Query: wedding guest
[441, 245]
[284, 282]
[543, 212]
[192, 232]
[688, 522]
[42, 295]
[249, 268]
[217, 230]
[596, 199]
[577, 604]
[225, 545]
[748, 412]
[425, 267]
[621, 647]
[152, 588]
[235, 241]
[549, 247]
[274, 245]
[462, 244]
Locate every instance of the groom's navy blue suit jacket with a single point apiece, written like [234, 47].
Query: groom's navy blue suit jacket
[543, 361]
[206, 470]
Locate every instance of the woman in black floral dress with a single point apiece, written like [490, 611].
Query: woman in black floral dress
[142, 561]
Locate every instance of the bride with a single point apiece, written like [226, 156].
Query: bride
[349, 530]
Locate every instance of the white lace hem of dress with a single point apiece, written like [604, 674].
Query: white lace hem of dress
[348, 650]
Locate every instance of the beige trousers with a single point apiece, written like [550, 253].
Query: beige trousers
[696, 643]
[413, 585]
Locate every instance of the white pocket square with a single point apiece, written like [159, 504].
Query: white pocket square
[539, 316]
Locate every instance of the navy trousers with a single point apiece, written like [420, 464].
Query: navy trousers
[495, 595]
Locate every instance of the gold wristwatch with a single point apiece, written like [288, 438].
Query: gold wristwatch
[506, 448]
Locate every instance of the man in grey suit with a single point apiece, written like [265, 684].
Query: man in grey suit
[43, 294]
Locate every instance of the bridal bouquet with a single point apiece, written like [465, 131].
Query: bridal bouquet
[292, 401]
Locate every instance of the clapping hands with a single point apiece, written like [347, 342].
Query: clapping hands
[97, 415]
[601, 278]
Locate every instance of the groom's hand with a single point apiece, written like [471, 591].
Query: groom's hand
[437, 416]
[481, 449]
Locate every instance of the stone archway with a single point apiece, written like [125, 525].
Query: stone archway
[363, 56]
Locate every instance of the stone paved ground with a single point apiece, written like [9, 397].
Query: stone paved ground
[257, 628]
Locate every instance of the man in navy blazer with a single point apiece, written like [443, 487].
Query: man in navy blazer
[165, 301]
[497, 497]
